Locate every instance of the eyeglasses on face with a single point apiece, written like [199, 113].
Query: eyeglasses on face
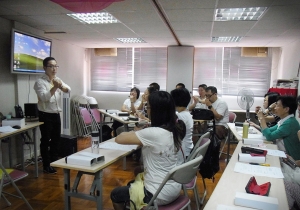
[53, 67]
[208, 96]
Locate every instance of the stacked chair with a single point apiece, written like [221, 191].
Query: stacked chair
[85, 116]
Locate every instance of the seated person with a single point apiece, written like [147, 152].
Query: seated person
[292, 184]
[219, 109]
[182, 98]
[130, 105]
[268, 105]
[298, 108]
[286, 129]
[143, 106]
[160, 144]
[199, 101]
[180, 85]
[155, 85]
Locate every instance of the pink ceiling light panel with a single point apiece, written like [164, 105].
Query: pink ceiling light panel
[85, 6]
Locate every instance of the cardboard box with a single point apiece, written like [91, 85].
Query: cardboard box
[256, 201]
[13, 122]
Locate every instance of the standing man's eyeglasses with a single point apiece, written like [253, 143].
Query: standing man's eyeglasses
[53, 67]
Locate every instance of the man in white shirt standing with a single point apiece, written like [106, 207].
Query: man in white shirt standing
[220, 110]
[49, 89]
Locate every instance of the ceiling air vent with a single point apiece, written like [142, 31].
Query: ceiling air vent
[254, 52]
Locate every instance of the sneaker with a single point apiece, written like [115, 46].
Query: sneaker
[49, 170]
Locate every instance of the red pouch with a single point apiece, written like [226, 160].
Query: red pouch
[253, 188]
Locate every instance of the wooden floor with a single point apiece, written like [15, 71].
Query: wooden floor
[46, 191]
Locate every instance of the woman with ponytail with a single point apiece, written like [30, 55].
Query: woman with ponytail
[160, 146]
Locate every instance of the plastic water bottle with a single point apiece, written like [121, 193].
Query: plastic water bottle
[95, 142]
[245, 130]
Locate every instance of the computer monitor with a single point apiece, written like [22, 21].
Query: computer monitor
[31, 110]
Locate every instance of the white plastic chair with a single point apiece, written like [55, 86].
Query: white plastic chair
[232, 118]
[182, 174]
[10, 178]
[199, 149]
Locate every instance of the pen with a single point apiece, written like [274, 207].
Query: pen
[260, 164]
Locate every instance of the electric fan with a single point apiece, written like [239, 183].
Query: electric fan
[245, 100]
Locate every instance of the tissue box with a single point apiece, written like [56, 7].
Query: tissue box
[251, 159]
[14, 121]
[256, 201]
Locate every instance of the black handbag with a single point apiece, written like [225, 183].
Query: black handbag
[202, 114]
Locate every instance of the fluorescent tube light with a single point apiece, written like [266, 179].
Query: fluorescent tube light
[94, 18]
[226, 39]
[130, 40]
[227, 14]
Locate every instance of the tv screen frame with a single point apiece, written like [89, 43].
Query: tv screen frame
[28, 52]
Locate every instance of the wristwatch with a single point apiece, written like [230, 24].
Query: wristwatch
[209, 107]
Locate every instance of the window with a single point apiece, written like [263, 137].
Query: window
[131, 67]
[225, 69]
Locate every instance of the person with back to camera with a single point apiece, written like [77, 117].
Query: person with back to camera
[285, 132]
[268, 105]
[182, 98]
[180, 85]
[160, 146]
[155, 85]
[49, 89]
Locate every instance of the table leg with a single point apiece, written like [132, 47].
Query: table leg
[9, 150]
[228, 145]
[67, 189]
[35, 153]
[99, 190]
[124, 158]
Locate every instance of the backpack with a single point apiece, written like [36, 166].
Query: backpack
[210, 163]
[106, 132]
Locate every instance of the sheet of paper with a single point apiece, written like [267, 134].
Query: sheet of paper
[7, 129]
[116, 146]
[225, 207]
[257, 170]
[273, 152]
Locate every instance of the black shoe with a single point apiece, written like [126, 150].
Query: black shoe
[49, 170]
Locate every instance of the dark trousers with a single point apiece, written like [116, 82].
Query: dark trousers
[50, 132]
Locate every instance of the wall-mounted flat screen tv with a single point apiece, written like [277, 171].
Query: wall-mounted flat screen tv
[28, 53]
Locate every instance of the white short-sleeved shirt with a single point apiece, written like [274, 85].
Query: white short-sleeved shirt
[127, 103]
[200, 106]
[159, 157]
[187, 142]
[221, 107]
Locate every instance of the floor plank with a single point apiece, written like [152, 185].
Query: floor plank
[46, 191]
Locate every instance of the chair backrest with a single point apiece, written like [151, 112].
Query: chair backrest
[96, 115]
[199, 142]
[232, 117]
[182, 174]
[201, 150]
[86, 116]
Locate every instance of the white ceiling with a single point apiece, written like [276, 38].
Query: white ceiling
[191, 20]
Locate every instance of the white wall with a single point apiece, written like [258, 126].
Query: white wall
[180, 67]
[18, 89]
[289, 61]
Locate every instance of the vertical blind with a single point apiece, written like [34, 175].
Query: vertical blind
[131, 67]
[229, 72]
